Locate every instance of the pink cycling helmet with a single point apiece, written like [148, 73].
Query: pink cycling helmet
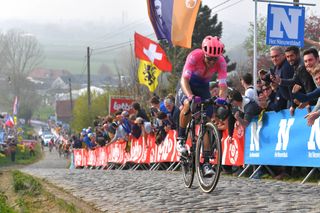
[212, 46]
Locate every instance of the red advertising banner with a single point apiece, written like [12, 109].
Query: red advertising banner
[120, 103]
[101, 154]
[233, 148]
[145, 150]
[80, 157]
[116, 152]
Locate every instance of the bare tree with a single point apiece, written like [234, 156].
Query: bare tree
[22, 53]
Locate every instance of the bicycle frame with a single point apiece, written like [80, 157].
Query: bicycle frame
[197, 148]
[192, 125]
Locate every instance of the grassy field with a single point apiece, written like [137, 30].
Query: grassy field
[20, 192]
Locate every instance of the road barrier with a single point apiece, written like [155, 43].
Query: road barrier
[280, 139]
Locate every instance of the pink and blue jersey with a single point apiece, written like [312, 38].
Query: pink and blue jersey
[195, 70]
[199, 76]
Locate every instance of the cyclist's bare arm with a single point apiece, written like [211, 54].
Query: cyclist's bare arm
[185, 86]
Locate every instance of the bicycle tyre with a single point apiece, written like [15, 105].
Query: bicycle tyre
[188, 163]
[209, 184]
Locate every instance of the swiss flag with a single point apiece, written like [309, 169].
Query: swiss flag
[148, 50]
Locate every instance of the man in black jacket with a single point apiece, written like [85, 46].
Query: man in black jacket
[282, 69]
[301, 76]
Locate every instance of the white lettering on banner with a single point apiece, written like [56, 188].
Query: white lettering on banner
[283, 134]
[102, 156]
[255, 139]
[224, 153]
[314, 140]
[91, 157]
[174, 146]
[124, 106]
[136, 150]
[77, 159]
[280, 154]
[254, 154]
[152, 155]
[144, 150]
[313, 154]
[255, 136]
[165, 148]
[284, 43]
[115, 153]
[282, 21]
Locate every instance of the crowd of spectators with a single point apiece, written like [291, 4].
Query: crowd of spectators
[293, 82]
[161, 117]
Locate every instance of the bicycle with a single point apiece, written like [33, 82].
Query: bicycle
[194, 159]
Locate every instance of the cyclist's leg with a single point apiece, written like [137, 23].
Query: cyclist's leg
[207, 168]
[183, 104]
[184, 119]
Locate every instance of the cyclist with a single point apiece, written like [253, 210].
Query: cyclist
[199, 68]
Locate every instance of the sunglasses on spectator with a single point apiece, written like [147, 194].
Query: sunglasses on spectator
[275, 56]
[211, 58]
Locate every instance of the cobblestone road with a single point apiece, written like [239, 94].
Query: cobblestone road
[161, 191]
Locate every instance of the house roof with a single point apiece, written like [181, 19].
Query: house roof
[41, 73]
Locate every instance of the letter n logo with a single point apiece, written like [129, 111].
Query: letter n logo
[283, 134]
[314, 136]
[285, 25]
[255, 130]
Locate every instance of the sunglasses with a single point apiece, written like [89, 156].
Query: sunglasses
[211, 58]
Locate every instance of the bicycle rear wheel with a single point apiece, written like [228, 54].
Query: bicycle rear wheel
[208, 184]
[188, 162]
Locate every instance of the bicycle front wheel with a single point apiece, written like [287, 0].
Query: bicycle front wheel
[188, 162]
[208, 183]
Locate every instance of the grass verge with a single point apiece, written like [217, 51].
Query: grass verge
[22, 157]
[31, 196]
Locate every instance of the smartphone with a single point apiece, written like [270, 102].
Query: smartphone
[272, 72]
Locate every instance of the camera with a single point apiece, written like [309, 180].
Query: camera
[272, 72]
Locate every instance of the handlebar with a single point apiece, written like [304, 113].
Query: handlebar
[206, 102]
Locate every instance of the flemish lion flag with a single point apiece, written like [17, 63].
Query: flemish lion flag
[148, 74]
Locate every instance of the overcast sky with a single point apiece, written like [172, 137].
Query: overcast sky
[108, 10]
[120, 15]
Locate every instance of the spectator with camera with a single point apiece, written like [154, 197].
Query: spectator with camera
[173, 112]
[283, 70]
[301, 76]
[270, 98]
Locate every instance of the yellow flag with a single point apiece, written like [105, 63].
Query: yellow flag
[148, 74]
